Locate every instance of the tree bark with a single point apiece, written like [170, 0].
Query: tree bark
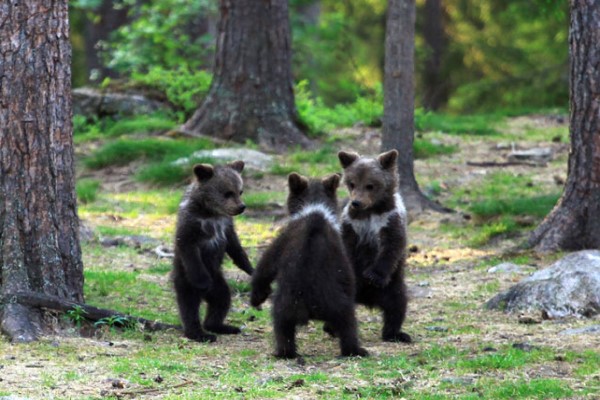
[574, 223]
[252, 94]
[399, 103]
[39, 246]
[435, 89]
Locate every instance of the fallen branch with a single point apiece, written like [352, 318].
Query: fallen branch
[92, 313]
[502, 164]
[151, 390]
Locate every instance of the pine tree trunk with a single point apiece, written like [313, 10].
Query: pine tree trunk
[252, 94]
[399, 102]
[107, 19]
[39, 247]
[435, 89]
[574, 223]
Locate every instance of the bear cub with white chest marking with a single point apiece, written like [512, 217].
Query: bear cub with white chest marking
[313, 273]
[374, 232]
[204, 234]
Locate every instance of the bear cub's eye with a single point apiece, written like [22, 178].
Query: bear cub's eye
[229, 195]
[351, 185]
[370, 187]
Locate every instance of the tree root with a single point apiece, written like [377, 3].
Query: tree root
[91, 313]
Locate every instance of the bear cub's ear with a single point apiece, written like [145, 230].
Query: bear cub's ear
[237, 166]
[203, 172]
[346, 159]
[388, 159]
[331, 183]
[297, 183]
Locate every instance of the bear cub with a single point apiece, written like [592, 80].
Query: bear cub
[313, 273]
[374, 231]
[203, 235]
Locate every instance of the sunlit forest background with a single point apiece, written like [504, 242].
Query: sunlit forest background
[484, 56]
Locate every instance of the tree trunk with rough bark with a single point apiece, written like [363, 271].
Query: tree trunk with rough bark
[252, 94]
[399, 103]
[574, 223]
[39, 246]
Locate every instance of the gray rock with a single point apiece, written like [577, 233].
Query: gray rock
[254, 159]
[588, 330]
[537, 155]
[569, 287]
[506, 268]
[92, 103]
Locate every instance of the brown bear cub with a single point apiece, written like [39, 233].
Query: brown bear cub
[203, 235]
[313, 273]
[374, 231]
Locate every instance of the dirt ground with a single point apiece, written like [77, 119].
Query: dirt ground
[443, 273]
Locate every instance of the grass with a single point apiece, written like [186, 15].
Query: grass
[85, 131]
[441, 365]
[124, 151]
[87, 190]
[477, 125]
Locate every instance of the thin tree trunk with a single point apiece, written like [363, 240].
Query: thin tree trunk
[574, 223]
[252, 93]
[108, 18]
[39, 246]
[435, 89]
[399, 103]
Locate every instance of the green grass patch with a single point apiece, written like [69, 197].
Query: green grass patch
[87, 190]
[538, 206]
[133, 204]
[262, 200]
[166, 173]
[527, 389]
[478, 125]
[427, 149]
[140, 124]
[124, 151]
[503, 227]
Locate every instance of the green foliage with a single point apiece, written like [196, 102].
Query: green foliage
[87, 190]
[319, 118]
[162, 33]
[76, 315]
[506, 55]
[124, 151]
[183, 86]
[116, 321]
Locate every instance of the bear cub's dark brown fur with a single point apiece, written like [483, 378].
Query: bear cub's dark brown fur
[204, 233]
[374, 231]
[313, 273]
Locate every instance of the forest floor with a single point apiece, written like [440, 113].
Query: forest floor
[460, 350]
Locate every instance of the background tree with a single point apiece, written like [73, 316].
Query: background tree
[435, 88]
[399, 99]
[252, 93]
[39, 247]
[574, 222]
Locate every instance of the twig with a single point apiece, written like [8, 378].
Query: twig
[501, 164]
[153, 390]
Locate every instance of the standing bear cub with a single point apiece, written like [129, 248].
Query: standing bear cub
[204, 233]
[374, 232]
[313, 273]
